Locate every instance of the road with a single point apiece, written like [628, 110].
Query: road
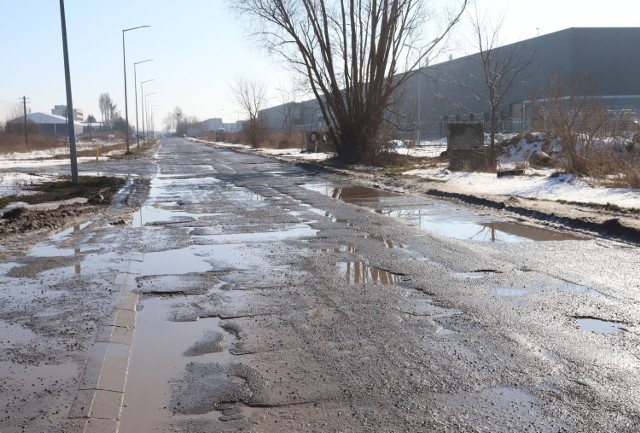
[253, 295]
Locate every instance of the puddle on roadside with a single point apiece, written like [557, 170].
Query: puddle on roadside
[179, 261]
[356, 273]
[469, 275]
[579, 288]
[590, 324]
[388, 243]
[509, 291]
[438, 219]
[341, 249]
[157, 358]
[148, 215]
[350, 194]
[505, 231]
[201, 258]
[295, 232]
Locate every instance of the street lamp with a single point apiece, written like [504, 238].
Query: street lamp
[135, 82]
[71, 130]
[124, 60]
[151, 120]
[146, 109]
[143, 107]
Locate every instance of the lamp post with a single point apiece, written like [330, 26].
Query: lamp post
[135, 81]
[124, 60]
[142, 101]
[146, 109]
[70, 120]
[151, 120]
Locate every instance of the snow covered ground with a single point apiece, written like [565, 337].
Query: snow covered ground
[538, 184]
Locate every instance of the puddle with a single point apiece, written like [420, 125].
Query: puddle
[469, 275]
[361, 273]
[350, 194]
[201, 258]
[579, 288]
[508, 291]
[386, 242]
[180, 261]
[445, 220]
[341, 249]
[158, 358]
[295, 232]
[507, 232]
[589, 324]
[148, 215]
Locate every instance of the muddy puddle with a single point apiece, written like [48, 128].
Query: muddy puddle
[297, 231]
[200, 258]
[154, 215]
[351, 194]
[147, 402]
[590, 324]
[355, 273]
[469, 228]
[445, 220]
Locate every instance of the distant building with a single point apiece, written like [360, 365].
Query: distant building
[212, 124]
[61, 110]
[49, 124]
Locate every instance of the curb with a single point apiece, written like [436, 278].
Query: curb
[98, 403]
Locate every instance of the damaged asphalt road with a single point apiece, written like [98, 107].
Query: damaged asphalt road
[273, 298]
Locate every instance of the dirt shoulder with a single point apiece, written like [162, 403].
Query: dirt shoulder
[54, 205]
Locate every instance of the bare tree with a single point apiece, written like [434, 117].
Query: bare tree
[501, 68]
[571, 113]
[250, 95]
[172, 119]
[353, 54]
[104, 103]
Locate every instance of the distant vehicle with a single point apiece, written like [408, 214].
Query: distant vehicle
[221, 134]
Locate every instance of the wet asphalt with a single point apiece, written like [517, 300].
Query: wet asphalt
[281, 298]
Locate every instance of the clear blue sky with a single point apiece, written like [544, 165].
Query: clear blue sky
[198, 46]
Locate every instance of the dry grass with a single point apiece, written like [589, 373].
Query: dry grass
[281, 141]
[15, 143]
[610, 166]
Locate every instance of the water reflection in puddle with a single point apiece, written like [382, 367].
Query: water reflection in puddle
[360, 273]
[443, 219]
[350, 194]
[503, 231]
[589, 324]
[388, 243]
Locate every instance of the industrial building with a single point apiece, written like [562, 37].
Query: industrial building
[49, 124]
[603, 60]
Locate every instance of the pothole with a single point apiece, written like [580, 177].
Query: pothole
[593, 324]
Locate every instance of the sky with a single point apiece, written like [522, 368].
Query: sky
[199, 47]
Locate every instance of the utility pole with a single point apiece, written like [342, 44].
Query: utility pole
[24, 103]
[67, 76]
